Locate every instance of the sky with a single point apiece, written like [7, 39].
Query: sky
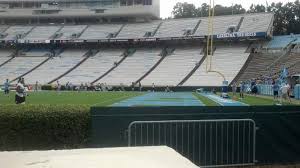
[166, 6]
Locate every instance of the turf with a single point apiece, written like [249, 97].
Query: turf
[82, 98]
[258, 100]
[205, 101]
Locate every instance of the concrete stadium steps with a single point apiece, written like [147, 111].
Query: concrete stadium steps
[227, 59]
[174, 67]
[18, 66]
[133, 67]
[56, 66]
[41, 33]
[6, 56]
[94, 67]
[258, 65]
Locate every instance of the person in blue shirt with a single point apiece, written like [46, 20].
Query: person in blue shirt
[6, 87]
[275, 90]
[242, 90]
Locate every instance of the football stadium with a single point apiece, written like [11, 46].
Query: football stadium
[109, 83]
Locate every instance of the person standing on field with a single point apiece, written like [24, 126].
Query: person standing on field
[6, 87]
[20, 97]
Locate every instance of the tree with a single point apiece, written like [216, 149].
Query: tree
[184, 10]
[257, 9]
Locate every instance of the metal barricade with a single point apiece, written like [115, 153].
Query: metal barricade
[207, 143]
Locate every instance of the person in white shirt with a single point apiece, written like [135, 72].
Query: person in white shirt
[284, 90]
[20, 97]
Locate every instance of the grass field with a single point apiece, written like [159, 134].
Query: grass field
[109, 98]
[260, 100]
[83, 98]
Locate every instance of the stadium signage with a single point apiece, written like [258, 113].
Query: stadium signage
[239, 35]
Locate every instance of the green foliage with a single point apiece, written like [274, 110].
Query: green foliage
[36, 127]
[186, 10]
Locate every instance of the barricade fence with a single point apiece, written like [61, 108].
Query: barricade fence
[207, 143]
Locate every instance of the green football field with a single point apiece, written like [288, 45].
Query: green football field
[82, 98]
[109, 98]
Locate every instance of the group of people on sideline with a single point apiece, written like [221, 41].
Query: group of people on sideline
[280, 90]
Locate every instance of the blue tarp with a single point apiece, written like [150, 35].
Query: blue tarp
[161, 99]
[221, 101]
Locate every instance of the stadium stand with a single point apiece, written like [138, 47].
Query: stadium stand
[174, 67]
[228, 59]
[280, 42]
[258, 65]
[40, 33]
[261, 22]
[56, 66]
[3, 28]
[70, 32]
[5, 55]
[138, 30]
[18, 66]
[221, 24]
[186, 66]
[95, 66]
[95, 32]
[133, 67]
[176, 27]
[17, 32]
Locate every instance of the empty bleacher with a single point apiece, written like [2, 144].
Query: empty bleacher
[133, 67]
[55, 66]
[137, 30]
[280, 42]
[40, 33]
[258, 65]
[256, 22]
[18, 66]
[13, 31]
[3, 28]
[221, 24]
[176, 27]
[227, 59]
[174, 67]
[70, 32]
[95, 32]
[4, 55]
[93, 67]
